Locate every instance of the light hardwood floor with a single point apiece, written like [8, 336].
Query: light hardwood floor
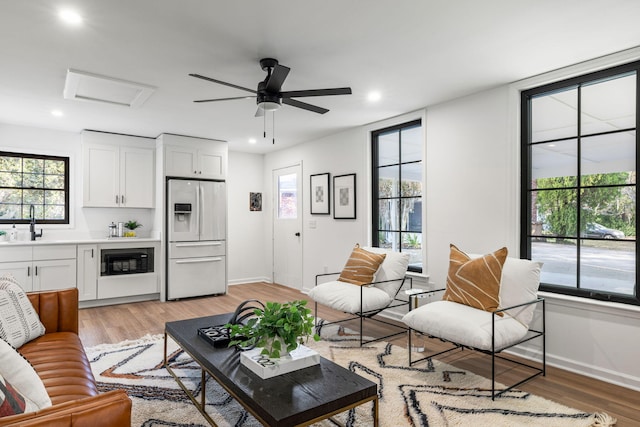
[116, 323]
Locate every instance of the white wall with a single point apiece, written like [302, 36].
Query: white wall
[84, 222]
[331, 241]
[246, 260]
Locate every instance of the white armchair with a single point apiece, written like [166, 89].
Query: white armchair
[486, 331]
[364, 302]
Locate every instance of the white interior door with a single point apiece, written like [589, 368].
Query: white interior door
[287, 226]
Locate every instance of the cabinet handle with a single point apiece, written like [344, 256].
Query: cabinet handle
[29, 271]
[122, 199]
[91, 253]
[116, 199]
[195, 172]
[200, 172]
[36, 270]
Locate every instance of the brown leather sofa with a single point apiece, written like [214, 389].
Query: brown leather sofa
[59, 359]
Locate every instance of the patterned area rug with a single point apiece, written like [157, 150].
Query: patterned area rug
[433, 394]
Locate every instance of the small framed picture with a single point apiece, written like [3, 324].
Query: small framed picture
[255, 201]
[320, 194]
[344, 196]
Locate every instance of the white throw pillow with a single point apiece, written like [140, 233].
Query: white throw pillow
[393, 267]
[19, 322]
[19, 373]
[520, 282]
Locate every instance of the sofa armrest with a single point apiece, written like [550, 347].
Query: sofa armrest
[58, 310]
[110, 409]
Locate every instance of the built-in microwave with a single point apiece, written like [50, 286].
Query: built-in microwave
[126, 261]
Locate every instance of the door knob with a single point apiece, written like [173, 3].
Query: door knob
[298, 234]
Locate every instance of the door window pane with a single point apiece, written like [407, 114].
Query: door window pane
[287, 196]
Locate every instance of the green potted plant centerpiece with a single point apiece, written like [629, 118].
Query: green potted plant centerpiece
[131, 226]
[278, 328]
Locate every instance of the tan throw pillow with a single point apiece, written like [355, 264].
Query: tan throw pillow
[475, 282]
[361, 267]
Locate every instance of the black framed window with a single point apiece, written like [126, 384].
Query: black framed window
[33, 180]
[579, 160]
[397, 190]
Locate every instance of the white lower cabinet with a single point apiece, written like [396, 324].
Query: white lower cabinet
[21, 271]
[41, 268]
[87, 260]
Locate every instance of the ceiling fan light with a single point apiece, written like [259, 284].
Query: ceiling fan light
[269, 105]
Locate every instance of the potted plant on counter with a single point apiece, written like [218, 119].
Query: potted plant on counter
[131, 226]
[278, 328]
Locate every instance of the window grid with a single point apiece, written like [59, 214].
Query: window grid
[529, 190]
[397, 195]
[30, 179]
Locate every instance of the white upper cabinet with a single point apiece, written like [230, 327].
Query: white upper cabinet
[194, 157]
[118, 170]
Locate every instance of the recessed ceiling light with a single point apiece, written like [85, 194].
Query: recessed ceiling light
[252, 141]
[70, 17]
[57, 113]
[374, 96]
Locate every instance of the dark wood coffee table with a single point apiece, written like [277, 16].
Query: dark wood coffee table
[298, 398]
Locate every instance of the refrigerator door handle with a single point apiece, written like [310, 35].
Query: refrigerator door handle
[197, 260]
[192, 244]
[200, 209]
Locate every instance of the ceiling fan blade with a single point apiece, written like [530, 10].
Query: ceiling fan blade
[316, 92]
[224, 99]
[277, 77]
[304, 105]
[220, 82]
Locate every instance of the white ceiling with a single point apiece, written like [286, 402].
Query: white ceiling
[415, 52]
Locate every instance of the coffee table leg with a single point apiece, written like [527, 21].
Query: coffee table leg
[203, 381]
[375, 412]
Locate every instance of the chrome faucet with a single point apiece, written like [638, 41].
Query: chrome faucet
[32, 224]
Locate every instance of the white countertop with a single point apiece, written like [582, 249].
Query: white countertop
[78, 241]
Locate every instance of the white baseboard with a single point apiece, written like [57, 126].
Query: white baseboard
[598, 373]
[246, 280]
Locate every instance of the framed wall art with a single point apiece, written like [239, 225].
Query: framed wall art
[344, 196]
[255, 202]
[320, 194]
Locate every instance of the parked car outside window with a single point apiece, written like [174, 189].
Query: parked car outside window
[593, 229]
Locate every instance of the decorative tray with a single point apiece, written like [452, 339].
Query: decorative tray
[218, 335]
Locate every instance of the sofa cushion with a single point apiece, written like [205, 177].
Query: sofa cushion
[19, 322]
[345, 297]
[464, 325]
[61, 363]
[361, 267]
[475, 281]
[20, 380]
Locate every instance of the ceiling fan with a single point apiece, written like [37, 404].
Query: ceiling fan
[268, 95]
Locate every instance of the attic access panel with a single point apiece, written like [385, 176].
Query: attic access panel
[85, 86]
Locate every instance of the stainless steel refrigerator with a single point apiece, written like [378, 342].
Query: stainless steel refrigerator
[196, 244]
